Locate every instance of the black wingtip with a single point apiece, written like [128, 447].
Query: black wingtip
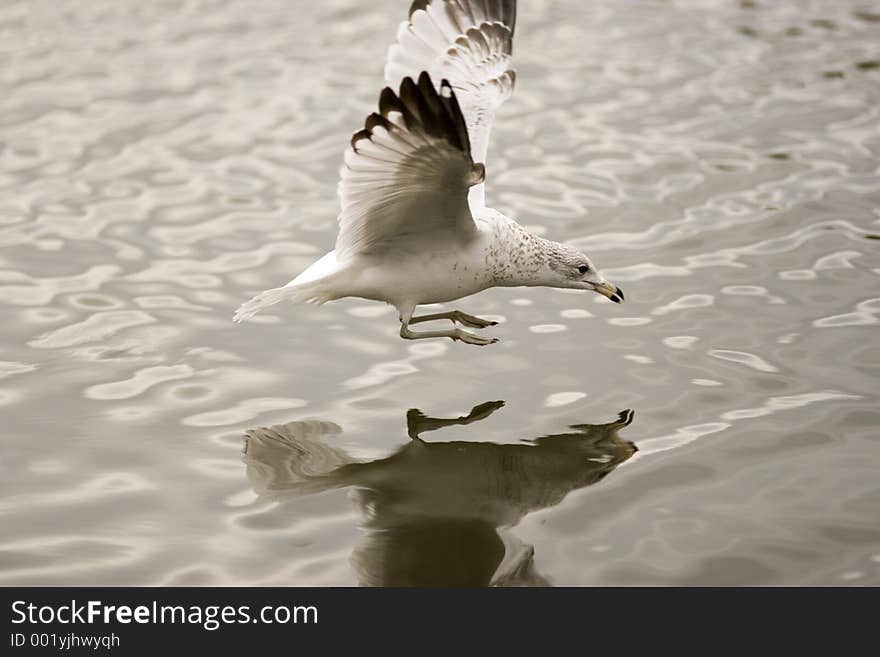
[358, 136]
[376, 120]
[425, 109]
[416, 5]
[388, 102]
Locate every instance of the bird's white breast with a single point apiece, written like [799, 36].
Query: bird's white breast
[430, 276]
[500, 253]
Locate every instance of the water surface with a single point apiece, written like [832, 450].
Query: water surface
[163, 161]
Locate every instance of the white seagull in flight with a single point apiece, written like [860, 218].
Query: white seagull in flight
[414, 228]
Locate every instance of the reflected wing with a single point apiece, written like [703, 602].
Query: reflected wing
[407, 173]
[469, 43]
[292, 457]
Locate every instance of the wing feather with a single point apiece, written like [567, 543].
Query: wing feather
[407, 172]
[469, 43]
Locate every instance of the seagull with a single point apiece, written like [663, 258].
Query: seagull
[414, 227]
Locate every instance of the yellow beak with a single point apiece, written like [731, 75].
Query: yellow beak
[613, 292]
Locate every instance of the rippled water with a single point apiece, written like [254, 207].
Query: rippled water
[162, 161]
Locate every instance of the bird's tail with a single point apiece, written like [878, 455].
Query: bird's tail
[312, 292]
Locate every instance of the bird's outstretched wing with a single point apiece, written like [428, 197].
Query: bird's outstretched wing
[407, 173]
[469, 43]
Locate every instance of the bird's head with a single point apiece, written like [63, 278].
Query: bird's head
[569, 268]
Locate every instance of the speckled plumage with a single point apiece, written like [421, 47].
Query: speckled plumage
[414, 227]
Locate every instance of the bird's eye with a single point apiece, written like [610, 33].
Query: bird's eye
[583, 269]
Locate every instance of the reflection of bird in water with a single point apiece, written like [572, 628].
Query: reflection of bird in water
[432, 511]
[414, 227]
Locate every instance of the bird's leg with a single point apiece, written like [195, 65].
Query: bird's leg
[455, 316]
[417, 422]
[454, 334]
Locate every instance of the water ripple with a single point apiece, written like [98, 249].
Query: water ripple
[242, 412]
[99, 326]
[749, 360]
[866, 313]
[158, 170]
[142, 381]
